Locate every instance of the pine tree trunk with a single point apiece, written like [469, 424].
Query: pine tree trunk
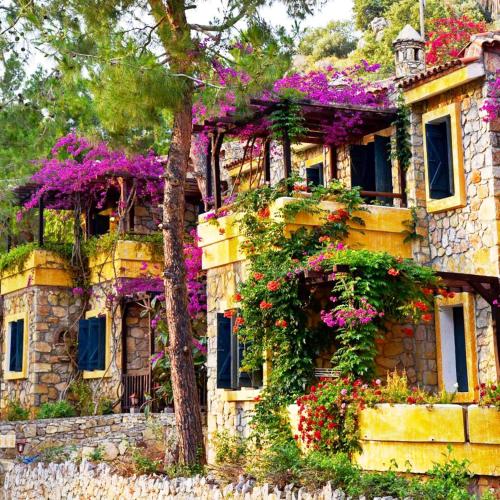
[185, 392]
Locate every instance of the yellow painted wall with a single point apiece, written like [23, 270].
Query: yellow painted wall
[383, 231]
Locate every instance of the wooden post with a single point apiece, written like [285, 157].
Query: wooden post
[40, 222]
[287, 154]
[208, 174]
[267, 161]
[333, 163]
[219, 138]
[402, 186]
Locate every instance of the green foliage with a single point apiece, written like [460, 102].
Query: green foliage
[58, 409]
[287, 119]
[59, 226]
[97, 454]
[337, 39]
[17, 257]
[229, 448]
[402, 149]
[366, 10]
[56, 453]
[145, 464]
[16, 411]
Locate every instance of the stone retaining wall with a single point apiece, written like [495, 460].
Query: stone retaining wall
[69, 481]
[88, 431]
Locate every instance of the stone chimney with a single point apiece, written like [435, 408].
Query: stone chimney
[409, 49]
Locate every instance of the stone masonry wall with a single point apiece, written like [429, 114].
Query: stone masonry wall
[69, 481]
[86, 431]
[464, 239]
[52, 314]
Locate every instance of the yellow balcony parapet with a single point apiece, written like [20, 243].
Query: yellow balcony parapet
[484, 425]
[41, 268]
[383, 231]
[128, 259]
[401, 422]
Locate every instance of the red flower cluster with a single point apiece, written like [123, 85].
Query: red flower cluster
[265, 305]
[257, 276]
[237, 297]
[393, 272]
[273, 285]
[407, 331]
[337, 216]
[328, 412]
[263, 213]
[421, 306]
[229, 313]
[448, 36]
[281, 323]
[239, 321]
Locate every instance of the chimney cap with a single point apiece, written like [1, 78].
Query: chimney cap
[409, 34]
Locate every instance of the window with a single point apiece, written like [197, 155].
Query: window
[439, 158]
[314, 175]
[443, 159]
[16, 346]
[230, 354]
[457, 371]
[371, 167]
[92, 348]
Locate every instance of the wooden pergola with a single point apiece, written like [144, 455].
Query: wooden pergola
[316, 118]
[25, 192]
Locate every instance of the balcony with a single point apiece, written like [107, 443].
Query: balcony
[39, 267]
[126, 259]
[383, 231]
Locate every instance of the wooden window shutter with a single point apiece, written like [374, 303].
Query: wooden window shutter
[93, 350]
[383, 167]
[439, 159]
[83, 344]
[224, 358]
[101, 343]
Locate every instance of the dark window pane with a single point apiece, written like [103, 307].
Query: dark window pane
[314, 175]
[439, 159]
[460, 351]
[383, 167]
[223, 352]
[363, 166]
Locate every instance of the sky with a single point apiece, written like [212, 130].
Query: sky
[276, 14]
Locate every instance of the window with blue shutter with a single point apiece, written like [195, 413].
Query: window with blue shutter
[439, 158]
[230, 355]
[16, 354]
[224, 358]
[314, 175]
[92, 344]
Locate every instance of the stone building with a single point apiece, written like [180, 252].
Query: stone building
[54, 332]
[452, 187]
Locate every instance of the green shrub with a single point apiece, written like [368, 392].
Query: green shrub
[15, 411]
[145, 464]
[97, 454]
[58, 409]
[229, 448]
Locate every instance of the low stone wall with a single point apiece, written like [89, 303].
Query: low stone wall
[69, 481]
[89, 431]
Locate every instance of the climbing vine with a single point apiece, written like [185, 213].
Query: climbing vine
[283, 316]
